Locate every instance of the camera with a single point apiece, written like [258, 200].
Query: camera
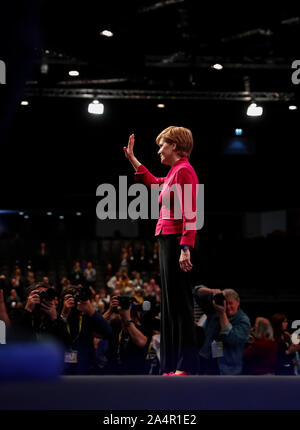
[82, 295]
[219, 299]
[47, 295]
[125, 301]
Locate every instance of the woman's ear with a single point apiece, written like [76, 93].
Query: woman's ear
[174, 146]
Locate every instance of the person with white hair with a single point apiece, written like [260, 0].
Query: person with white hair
[260, 357]
[226, 331]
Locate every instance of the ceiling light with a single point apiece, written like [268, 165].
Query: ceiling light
[254, 110]
[21, 213]
[24, 103]
[44, 68]
[26, 216]
[106, 33]
[73, 73]
[49, 213]
[61, 217]
[78, 213]
[238, 131]
[161, 106]
[96, 107]
[293, 107]
[217, 66]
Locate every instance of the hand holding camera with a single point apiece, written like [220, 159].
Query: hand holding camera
[80, 301]
[32, 300]
[219, 302]
[44, 299]
[49, 308]
[69, 303]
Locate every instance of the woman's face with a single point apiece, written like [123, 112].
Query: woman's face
[166, 152]
[284, 324]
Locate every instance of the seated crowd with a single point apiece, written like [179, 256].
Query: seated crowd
[115, 328]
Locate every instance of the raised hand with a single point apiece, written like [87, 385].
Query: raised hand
[69, 303]
[32, 300]
[129, 149]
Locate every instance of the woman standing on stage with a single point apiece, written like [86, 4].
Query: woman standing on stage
[176, 240]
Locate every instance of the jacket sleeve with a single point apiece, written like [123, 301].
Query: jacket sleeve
[144, 175]
[204, 301]
[187, 196]
[238, 333]
[100, 325]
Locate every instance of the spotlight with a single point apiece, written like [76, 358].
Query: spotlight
[78, 213]
[21, 213]
[96, 107]
[61, 217]
[254, 110]
[238, 131]
[73, 73]
[49, 213]
[217, 66]
[293, 107]
[26, 216]
[161, 106]
[106, 33]
[44, 68]
[24, 103]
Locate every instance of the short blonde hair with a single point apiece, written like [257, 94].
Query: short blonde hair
[181, 136]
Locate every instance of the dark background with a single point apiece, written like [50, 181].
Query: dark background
[54, 154]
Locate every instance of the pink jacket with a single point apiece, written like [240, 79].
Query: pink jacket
[181, 173]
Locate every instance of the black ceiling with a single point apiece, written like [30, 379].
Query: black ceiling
[161, 51]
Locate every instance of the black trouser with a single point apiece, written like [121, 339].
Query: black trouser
[178, 344]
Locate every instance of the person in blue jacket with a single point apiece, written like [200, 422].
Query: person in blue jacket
[226, 331]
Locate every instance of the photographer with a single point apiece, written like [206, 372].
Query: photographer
[80, 322]
[39, 317]
[129, 343]
[226, 331]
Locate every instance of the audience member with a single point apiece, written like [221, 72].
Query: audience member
[286, 357]
[39, 317]
[226, 331]
[124, 264]
[112, 281]
[130, 339]
[137, 281]
[13, 300]
[90, 275]
[80, 321]
[260, 357]
[77, 276]
[108, 274]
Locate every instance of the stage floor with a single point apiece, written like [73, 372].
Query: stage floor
[153, 393]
